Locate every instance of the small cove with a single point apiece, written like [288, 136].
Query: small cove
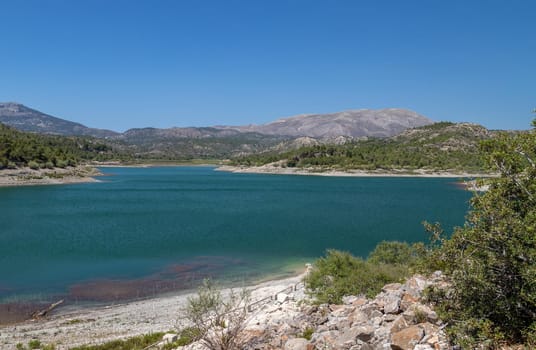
[147, 231]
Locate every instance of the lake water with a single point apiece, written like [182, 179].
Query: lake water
[153, 230]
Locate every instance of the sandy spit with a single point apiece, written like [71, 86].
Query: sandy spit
[74, 327]
[270, 169]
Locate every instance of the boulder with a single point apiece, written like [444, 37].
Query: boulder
[399, 324]
[169, 338]
[350, 336]
[423, 347]
[391, 287]
[281, 297]
[296, 344]
[415, 285]
[392, 305]
[407, 338]
[357, 317]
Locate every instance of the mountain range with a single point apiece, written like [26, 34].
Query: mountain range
[225, 141]
[351, 123]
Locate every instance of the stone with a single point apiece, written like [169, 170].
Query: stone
[415, 285]
[391, 287]
[360, 301]
[357, 317]
[429, 328]
[390, 317]
[407, 338]
[399, 324]
[392, 306]
[335, 307]
[169, 338]
[350, 336]
[423, 347]
[296, 344]
[349, 299]
[281, 297]
[377, 321]
[368, 309]
[376, 314]
[325, 339]
[365, 333]
[407, 301]
[419, 313]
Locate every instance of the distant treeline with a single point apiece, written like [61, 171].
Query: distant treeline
[19, 149]
[440, 146]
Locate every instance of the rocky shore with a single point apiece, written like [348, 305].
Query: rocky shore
[279, 170]
[284, 318]
[55, 176]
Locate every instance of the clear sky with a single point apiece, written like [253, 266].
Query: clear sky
[121, 64]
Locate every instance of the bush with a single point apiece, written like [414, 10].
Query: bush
[393, 252]
[61, 163]
[33, 165]
[339, 274]
[491, 261]
[217, 320]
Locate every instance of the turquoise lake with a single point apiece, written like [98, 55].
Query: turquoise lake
[143, 231]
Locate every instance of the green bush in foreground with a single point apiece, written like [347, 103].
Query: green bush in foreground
[491, 261]
[339, 273]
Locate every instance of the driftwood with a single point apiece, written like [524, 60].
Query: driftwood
[44, 312]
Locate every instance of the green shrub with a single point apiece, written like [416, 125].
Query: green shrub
[491, 261]
[339, 274]
[307, 333]
[61, 163]
[33, 165]
[393, 252]
[34, 344]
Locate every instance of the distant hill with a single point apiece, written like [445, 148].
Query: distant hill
[225, 141]
[189, 143]
[19, 149]
[351, 123]
[440, 146]
[26, 119]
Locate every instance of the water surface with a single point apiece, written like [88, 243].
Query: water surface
[149, 230]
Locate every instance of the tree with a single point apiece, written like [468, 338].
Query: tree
[491, 260]
[218, 320]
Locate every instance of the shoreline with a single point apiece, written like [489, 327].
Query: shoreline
[75, 326]
[56, 176]
[273, 170]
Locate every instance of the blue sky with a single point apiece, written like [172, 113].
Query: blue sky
[121, 64]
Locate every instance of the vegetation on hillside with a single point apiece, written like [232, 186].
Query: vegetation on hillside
[193, 143]
[440, 146]
[18, 149]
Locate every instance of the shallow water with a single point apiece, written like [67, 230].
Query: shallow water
[144, 231]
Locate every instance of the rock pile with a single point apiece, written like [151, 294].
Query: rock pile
[396, 319]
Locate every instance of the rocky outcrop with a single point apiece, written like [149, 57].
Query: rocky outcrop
[395, 319]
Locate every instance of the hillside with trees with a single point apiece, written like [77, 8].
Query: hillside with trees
[439, 146]
[21, 149]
